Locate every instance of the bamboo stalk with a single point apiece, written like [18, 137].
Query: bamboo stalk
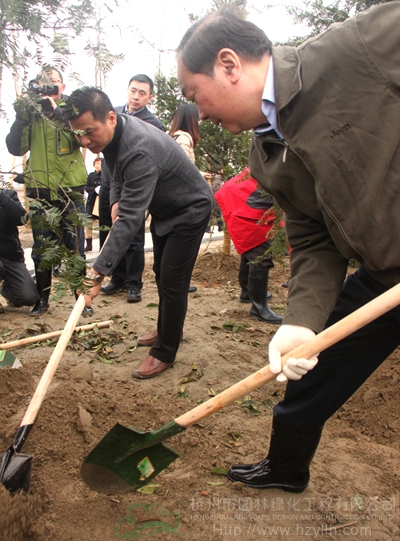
[54, 334]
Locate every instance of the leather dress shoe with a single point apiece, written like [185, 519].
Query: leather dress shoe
[147, 339]
[111, 288]
[268, 474]
[133, 295]
[150, 368]
[192, 289]
[40, 308]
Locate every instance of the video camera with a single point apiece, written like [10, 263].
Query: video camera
[43, 90]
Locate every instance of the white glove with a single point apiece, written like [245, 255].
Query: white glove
[97, 189]
[285, 339]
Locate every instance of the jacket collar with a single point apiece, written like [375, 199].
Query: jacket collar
[286, 75]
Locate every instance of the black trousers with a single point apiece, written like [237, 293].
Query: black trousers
[344, 367]
[258, 251]
[130, 268]
[18, 285]
[174, 258]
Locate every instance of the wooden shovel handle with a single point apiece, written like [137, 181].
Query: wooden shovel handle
[53, 363]
[346, 326]
[53, 334]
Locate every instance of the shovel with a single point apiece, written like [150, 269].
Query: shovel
[126, 459]
[15, 468]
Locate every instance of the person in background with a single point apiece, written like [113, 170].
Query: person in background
[18, 286]
[92, 188]
[128, 273]
[249, 219]
[326, 121]
[55, 167]
[185, 130]
[148, 171]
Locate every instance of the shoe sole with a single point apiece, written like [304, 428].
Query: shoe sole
[133, 300]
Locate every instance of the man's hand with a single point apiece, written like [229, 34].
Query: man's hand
[92, 280]
[52, 102]
[287, 338]
[114, 212]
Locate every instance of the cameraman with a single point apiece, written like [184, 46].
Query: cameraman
[56, 172]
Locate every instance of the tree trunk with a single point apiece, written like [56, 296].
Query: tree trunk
[226, 245]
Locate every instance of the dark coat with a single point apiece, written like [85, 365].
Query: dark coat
[11, 212]
[144, 115]
[149, 171]
[92, 182]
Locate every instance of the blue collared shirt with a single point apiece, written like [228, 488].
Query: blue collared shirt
[268, 105]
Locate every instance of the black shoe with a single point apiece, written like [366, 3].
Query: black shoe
[192, 289]
[111, 288]
[87, 311]
[287, 464]
[134, 295]
[40, 308]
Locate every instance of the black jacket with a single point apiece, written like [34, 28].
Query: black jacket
[11, 212]
[144, 115]
[92, 182]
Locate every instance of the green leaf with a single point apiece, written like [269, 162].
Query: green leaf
[219, 471]
[104, 360]
[149, 489]
[215, 483]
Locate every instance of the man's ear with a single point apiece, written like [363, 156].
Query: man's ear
[230, 62]
[112, 118]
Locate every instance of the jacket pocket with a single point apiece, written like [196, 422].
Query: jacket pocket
[64, 143]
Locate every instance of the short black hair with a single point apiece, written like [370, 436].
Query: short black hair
[88, 98]
[201, 44]
[44, 75]
[142, 78]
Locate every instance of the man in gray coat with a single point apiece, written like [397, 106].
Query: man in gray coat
[149, 171]
[326, 146]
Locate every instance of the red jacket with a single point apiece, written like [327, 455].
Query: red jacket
[246, 213]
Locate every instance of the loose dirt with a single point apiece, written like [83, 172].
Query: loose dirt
[353, 493]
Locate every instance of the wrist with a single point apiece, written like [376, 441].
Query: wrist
[94, 276]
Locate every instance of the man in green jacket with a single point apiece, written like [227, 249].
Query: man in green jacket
[326, 145]
[55, 174]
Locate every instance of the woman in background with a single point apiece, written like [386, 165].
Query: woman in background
[185, 130]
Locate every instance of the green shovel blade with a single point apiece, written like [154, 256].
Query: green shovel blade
[127, 459]
[7, 358]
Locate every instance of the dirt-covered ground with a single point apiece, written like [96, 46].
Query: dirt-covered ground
[354, 488]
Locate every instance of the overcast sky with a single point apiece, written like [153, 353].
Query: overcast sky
[147, 33]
